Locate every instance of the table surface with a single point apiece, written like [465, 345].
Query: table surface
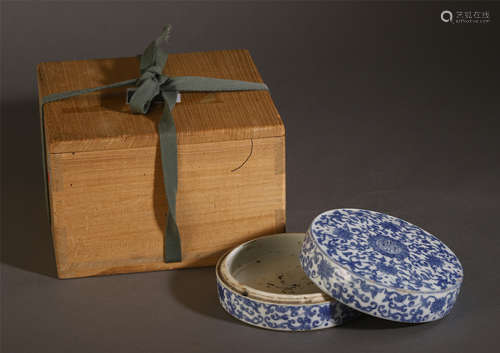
[386, 108]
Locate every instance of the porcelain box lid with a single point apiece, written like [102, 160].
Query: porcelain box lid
[381, 265]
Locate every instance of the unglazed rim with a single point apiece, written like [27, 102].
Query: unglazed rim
[238, 291]
[354, 275]
[223, 271]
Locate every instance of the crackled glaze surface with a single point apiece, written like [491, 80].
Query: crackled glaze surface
[381, 265]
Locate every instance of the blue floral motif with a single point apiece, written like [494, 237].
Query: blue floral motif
[422, 261]
[388, 246]
[438, 305]
[283, 317]
[386, 268]
[325, 312]
[325, 270]
[434, 261]
[389, 268]
[343, 233]
[390, 226]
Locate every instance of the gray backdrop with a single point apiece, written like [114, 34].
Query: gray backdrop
[386, 108]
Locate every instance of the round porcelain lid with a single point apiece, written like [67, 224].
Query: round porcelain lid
[365, 258]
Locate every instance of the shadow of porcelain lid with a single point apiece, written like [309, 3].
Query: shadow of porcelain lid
[381, 265]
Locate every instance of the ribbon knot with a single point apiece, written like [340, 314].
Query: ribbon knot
[148, 88]
[151, 84]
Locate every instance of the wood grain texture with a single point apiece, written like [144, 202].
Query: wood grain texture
[109, 207]
[106, 188]
[103, 121]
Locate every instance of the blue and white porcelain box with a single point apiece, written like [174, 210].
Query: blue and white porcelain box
[381, 265]
[350, 261]
[261, 283]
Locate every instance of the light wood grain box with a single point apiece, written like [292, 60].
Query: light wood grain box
[107, 199]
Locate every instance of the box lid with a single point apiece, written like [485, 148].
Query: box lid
[102, 120]
[381, 265]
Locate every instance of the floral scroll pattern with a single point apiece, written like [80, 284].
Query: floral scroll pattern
[381, 265]
[282, 316]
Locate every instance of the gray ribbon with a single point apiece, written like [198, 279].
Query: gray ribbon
[151, 84]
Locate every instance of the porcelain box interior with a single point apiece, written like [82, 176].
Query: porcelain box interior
[262, 283]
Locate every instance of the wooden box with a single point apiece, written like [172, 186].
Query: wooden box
[107, 199]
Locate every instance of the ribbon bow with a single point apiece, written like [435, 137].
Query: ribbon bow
[150, 85]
